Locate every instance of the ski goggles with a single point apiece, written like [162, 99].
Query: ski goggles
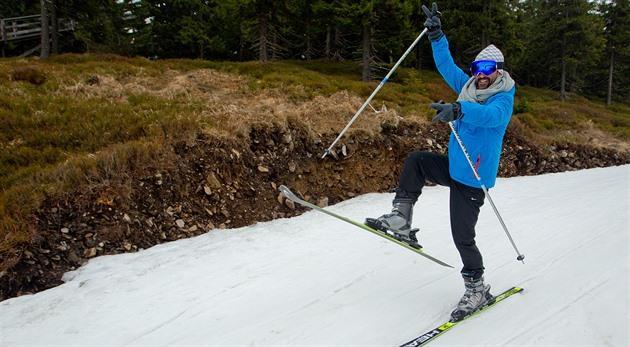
[486, 67]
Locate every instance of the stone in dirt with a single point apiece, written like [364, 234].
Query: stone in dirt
[281, 198]
[322, 202]
[290, 204]
[213, 181]
[90, 252]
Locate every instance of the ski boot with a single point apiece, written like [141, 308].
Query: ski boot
[397, 223]
[477, 296]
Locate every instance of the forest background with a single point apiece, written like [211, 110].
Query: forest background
[566, 45]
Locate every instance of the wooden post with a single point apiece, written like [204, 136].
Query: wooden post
[3, 34]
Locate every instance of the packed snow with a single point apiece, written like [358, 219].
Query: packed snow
[314, 280]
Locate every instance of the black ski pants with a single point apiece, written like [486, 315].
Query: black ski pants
[465, 202]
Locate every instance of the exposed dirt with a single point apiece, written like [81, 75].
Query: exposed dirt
[226, 182]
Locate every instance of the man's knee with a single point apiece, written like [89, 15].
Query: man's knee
[465, 243]
[417, 157]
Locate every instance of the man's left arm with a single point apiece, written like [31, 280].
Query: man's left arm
[493, 114]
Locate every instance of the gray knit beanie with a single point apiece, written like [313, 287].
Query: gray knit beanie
[492, 53]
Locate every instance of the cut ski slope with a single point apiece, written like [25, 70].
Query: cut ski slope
[313, 280]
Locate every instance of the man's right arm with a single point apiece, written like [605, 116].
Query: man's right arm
[455, 77]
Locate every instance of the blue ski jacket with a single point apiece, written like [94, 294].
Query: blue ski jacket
[481, 127]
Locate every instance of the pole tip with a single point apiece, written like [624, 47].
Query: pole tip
[521, 257]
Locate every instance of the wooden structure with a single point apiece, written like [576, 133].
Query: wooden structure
[29, 27]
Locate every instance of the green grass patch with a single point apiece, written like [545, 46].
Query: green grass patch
[47, 128]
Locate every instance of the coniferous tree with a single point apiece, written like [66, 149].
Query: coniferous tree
[567, 45]
[472, 25]
[617, 53]
[336, 20]
[565, 39]
[416, 22]
[366, 13]
[100, 24]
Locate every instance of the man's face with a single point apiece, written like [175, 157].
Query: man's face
[484, 81]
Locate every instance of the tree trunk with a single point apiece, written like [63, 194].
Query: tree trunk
[274, 45]
[241, 33]
[263, 37]
[337, 45]
[418, 57]
[484, 30]
[328, 41]
[307, 29]
[55, 27]
[367, 51]
[309, 44]
[610, 79]
[45, 35]
[563, 74]
[241, 43]
[309, 48]
[563, 80]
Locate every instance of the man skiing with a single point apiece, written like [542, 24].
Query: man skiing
[480, 116]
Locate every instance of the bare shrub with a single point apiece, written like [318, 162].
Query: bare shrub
[28, 74]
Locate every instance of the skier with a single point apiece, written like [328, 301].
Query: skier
[480, 116]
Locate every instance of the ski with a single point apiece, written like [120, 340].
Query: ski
[434, 333]
[413, 247]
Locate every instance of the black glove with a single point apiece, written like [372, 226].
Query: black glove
[433, 22]
[446, 112]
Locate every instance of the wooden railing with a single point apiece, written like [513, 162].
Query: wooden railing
[18, 28]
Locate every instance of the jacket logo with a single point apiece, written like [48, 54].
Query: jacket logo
[478, 162]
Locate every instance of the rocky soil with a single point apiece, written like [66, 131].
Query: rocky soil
[228, 182]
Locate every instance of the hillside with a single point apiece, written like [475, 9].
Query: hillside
[313, 280]
[105, 154]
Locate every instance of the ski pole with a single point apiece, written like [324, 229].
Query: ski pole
[520, 256]
[380, 85]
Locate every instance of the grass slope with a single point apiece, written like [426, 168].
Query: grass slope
[77, 121]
